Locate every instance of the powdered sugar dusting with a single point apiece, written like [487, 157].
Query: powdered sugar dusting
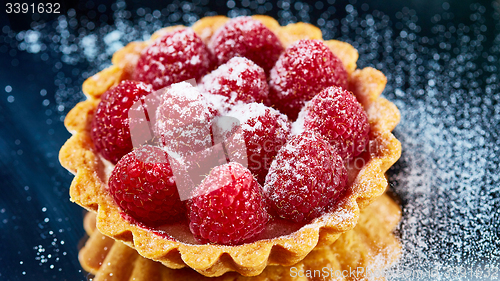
[183, 119]
[239, 79]
[246, 37]
[248, 24]
[302, 71]
[305, 178]
[264, 130]
[221, 103]
[298, 125]
[108, 168]
[174, 57]
[243, 112]
[339, 117]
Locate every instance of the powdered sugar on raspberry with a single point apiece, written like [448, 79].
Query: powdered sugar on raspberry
[220, 103]
[339, 117]
[146, 191]
[110, 125]
[306, 178]
[228, 207]
[243, 112]
[183, 119]
[302, 71]
[247, 37]
[176, 56]
[239, 79]
[264, 130]
[291, 164]
[298, 125]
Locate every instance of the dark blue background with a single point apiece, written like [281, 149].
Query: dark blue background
[40, 229]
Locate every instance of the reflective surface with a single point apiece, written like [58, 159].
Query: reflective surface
[442, 63]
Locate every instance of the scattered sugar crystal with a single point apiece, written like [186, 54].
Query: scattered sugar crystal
[446, 177]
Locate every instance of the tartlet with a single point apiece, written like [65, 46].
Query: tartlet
[370, 245]
[365, 183]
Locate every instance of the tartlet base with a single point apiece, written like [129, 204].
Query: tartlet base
[370, 246]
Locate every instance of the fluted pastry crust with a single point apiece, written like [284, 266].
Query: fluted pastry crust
[370, 245]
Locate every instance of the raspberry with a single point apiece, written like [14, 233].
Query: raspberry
[302, 71]
[246, 37]
[305, 178]
[239, 80]
[228, 207]
[265, 131]
[183, 119]
[146, 191]
[175, 57]
[339, 117]
[110, 126]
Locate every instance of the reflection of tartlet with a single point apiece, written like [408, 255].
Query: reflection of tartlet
[370, 245]
[365, 183]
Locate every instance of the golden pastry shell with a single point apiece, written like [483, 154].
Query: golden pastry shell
[370, 246]
[366, 183]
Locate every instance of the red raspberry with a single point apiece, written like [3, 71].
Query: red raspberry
[265, 130]
[246, 37]
[305, 178]
[146, 191]
[304, 69]
[110, 126]
[339, 117]
[228, 207]
[239, 80]
[177, 56]
[183, 119]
